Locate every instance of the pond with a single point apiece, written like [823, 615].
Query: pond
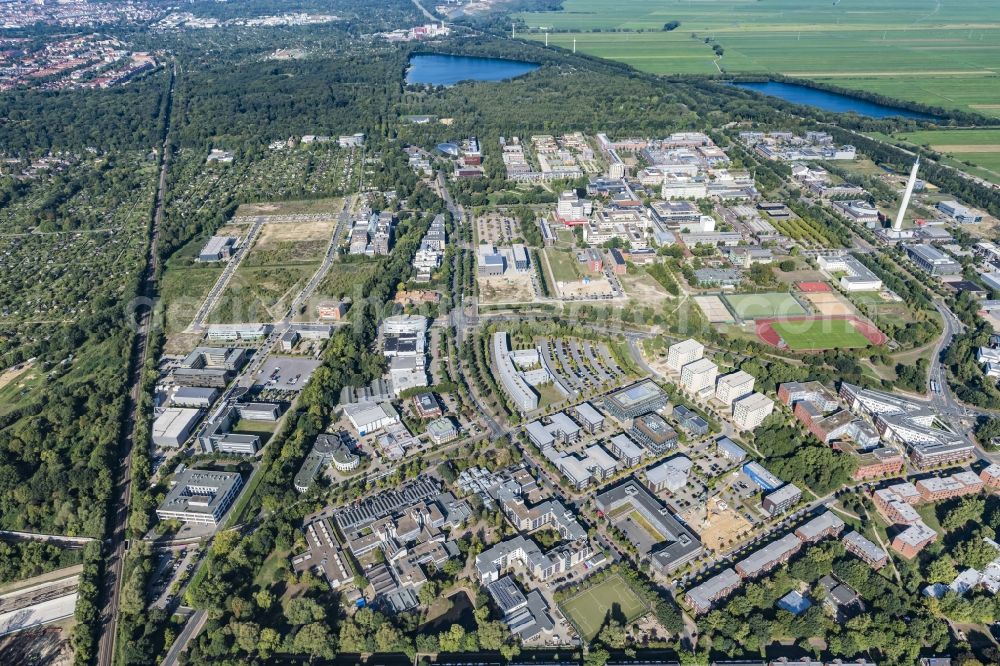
[830, 101]
[447, 70]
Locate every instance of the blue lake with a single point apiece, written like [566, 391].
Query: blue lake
[447, 70]
[830, 101]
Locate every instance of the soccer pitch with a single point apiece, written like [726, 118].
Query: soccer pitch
[820, 334]
[589, 608]
[756, 306]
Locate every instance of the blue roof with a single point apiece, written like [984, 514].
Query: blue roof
[794, 603]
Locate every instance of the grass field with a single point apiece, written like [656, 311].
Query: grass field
[943, 53]
[820, 334]
[754, 306]
[589, 608]
[563, 265]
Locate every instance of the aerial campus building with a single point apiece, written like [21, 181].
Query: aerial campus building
[910, 423]
[200, 496]
[933, 260]
[856, 276]
[677, 545]
[638, 399]
[513, 383]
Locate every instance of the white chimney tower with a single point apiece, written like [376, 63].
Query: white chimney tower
[898, 224]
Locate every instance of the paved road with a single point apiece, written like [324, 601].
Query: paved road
[191, 629]
[328, 261]
[227, 273]
[115, 557]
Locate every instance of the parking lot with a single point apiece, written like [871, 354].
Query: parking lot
[285, 373]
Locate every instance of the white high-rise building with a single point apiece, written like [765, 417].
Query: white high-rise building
[682, 353]
[733, 386]
[699, 375]
[910, 183]
[750, 412]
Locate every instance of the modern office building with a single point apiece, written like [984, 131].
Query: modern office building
[750, 411]
[523, 396]
[782, 499]
[589, 418]
[731, 387]
[369, 417]
[193, 396]
[932, 260]
[669, 545]
[638, 399]
[174, 425]
[671, 475]
[730, 450]
[627, 451]
[682, 353]
[652, 432]
[762, 477]
[699, 375]
[690, 420]
[217, 248]
[910, 423]
[200, 496]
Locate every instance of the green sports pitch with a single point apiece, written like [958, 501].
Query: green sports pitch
[820, 334]
[758, 306]
[589, 608]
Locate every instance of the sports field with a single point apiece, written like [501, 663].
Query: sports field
[754, 306]
[939, 52]
[589, 608]
[820, 334]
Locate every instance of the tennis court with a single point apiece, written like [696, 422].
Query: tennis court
[589, 608]
[715, 310]
[771, 304]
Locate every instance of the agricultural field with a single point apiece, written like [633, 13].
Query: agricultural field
[980, 148]
[755, 306]
[937, 53]
[820, 334]
[589, 608]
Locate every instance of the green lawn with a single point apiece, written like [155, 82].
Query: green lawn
[758, 306]
[820, 334]
[940, 53]
[563, 264]
[589, 608]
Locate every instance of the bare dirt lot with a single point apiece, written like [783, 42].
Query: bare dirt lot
[296, 232]
[512, 288]
[598, 287]
[723, 528]
[829, 304]
[644, 290]
[13, 373]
